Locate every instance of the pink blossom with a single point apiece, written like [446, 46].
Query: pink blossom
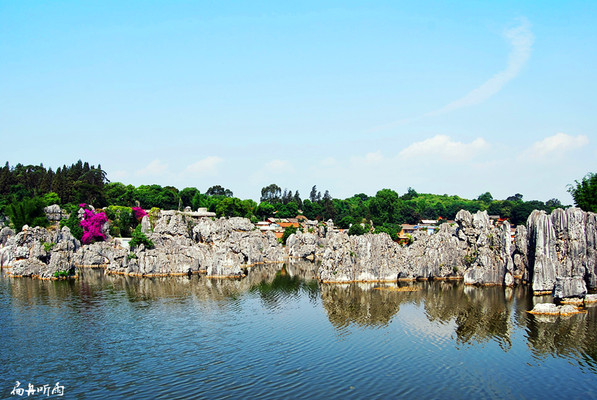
[93, 224]
[139, 212]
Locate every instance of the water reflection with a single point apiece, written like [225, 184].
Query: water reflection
[477, 315]
[285, 285]
[361, 303]
[574, 336]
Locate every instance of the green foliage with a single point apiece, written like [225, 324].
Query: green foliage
[287, 232]
[153, 216]
[390, 229]
[48, 246]
[84, 183]
[357, 230]
[289, 210]
[27, 212]
[218, 190]
[265, 210]
[122, 220]
[65, 273]
[131, 256]
[73, 224]
[51, 198]
[150, 196]
[485, 197]
[584, 192]
[187, 195]
[139, 238]
[271, 194]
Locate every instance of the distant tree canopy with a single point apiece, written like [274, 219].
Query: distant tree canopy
[271, 194]
[584, 192]
[219, 191]
[25, 190]
[78, 183]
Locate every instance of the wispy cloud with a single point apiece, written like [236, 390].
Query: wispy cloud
[371, 158]
[154, 168]
[521, 39]
[445, 148]
[557, 144]
[205, 167]
[279, 166]
[329, 162]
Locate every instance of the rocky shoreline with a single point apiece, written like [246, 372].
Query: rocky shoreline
[555, 254]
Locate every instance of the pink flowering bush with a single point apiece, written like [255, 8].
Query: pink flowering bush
[139, 213]
[93, 224]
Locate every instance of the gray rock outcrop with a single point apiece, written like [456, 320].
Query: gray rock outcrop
[183, 245]
[305, 245]
[562, 252]
[472, 249]
[359, 258]
[54, 213]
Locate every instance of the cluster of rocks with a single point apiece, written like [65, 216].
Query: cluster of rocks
[555, 310]
[37, 252]
[182, 245]
[473, 249]
[557, 254]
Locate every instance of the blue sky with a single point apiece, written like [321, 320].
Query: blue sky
[459, 98]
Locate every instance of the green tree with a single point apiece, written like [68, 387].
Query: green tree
[357, 230]
[218, 190]
[271, 194]
[186, 196]
[73, 223]
[287, 232]
[265, 210]
[584, 192]
[485, 197]
[139, 238]
[27, 212]
[51, 198]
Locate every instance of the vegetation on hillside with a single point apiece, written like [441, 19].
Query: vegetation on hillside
[26, 189]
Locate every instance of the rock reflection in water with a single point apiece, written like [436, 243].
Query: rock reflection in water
[199, 287]
[361, 303]
[477, 314]
[571, 336]
[480, 314]
[285, 283]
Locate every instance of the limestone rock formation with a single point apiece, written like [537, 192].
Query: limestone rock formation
[473, 248]
[183, 245]
[562, 251]
[438, 255]
[54, 213]
[359, 258]
[304, 245]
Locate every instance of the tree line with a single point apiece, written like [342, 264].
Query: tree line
[30, 187]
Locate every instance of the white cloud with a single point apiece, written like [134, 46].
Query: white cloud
[521, 38]
[154, 168]
[328, 162]
[279, 166]
[443, 147]
[555, 145]
[205, 167]
[371, 158]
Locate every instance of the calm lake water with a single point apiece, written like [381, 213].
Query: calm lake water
[279, 334]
